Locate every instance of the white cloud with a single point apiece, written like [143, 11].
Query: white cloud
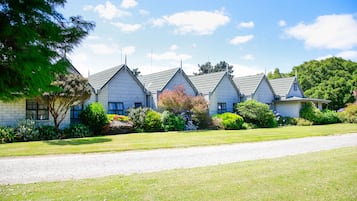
[282, 23]
[128, 4]
[196, 22]
[248, 57]
[127, 27]
[170, 55]
[328, 31]
[129, 50]
[144, 12]
[157, 22]
[350, 54]
[243, 70]
[100, 48]
[249, 24]
[241, 39]
[323, 57]
[107, 10]
[173, 47]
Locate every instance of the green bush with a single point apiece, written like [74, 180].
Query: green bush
[7, 134]
[26, 130]
[249, 126]
[284, 121]
[94, 117]
[152, 121]
[137, 116]
[257, 113]
[171, 122]
[311, 113]
[77, 131]
[349, 115]
[117, 117]
[48, 133]
[303, 122]
[229, 121]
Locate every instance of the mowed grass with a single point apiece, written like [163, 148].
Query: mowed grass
[144, 141]
[327, 175]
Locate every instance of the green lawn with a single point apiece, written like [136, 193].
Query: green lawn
[327, 175]
[143, 141]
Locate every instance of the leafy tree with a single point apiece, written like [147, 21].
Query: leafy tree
[334, 79]
[34, 38]
[209, 68]
[71, 89]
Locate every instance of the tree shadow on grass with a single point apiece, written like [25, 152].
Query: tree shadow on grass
[79, 141]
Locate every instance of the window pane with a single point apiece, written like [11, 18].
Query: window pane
[31, 104]
[42, 115]
[31, 114]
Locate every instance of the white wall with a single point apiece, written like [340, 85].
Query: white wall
[225, 93]
[123, 88]
[295, 92]
[288, 109]
[264, 93]
[179, 79]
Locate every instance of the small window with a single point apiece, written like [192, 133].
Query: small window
[137, 105]
[221, 108]
[295, 87]
[116, 108]
[36, 110]
[75, 111]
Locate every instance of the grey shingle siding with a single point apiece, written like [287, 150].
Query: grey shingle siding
[247, 85]
[208, 82]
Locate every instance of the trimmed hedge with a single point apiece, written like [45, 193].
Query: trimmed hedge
[228, 121]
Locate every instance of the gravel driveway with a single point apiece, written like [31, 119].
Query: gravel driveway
[77, 166]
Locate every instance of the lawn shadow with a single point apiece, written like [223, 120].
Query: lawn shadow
[79, 141]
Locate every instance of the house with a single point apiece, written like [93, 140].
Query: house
[255, 87]
[291, 97]
[118, 89]
[219, 91]
[12, 112]
[156, 83]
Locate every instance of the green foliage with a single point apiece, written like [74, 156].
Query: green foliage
[209, 68]
[70, 90]
[152, 121]
[229, 121]
[7, 134]
[311, 113]
[276, 74]
[34, 38]
[116, 117]
[26, 130]
[303, 122]
[283, 121]
[171, 122]
[333, 79]
[249, 126]
[94, 117]
[48, 133]
[349, 115]
[77, 131]
[137, 116]
[257, 113]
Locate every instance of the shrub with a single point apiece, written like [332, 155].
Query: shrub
[200, 115]
[249, 126]
[303, 122]
[349, 115]
[117, 117]
[137, 116]
[7, 135]
[48, 133]
[311, 113]
[94, 117]
[284, 121]
[171, 122]
[26, 130]
[257, 113]
[152, 121]
[230, 121]
[77, 131]
[329, 117]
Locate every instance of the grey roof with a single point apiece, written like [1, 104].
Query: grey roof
[208, 82]
[247, 85]
[157, 81]
[300, 99]
[282, 86]
[98, 80]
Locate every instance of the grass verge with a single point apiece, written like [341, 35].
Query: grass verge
[143, 141]
[327, 175]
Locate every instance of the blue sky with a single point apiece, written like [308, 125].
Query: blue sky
[252, 35]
